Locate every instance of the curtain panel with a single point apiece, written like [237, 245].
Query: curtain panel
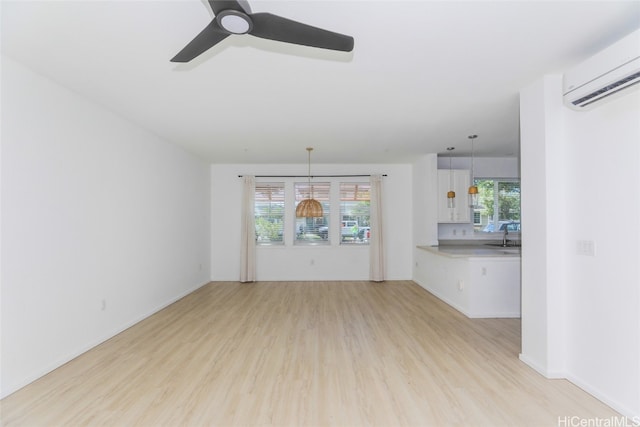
[248, 231]
[376, 243]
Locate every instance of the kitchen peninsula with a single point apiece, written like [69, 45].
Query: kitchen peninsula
[479, 280]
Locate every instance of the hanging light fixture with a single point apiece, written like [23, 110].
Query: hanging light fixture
[451, 195]
[473, 189]
[309, 208]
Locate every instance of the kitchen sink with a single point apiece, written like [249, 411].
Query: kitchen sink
[509, 250]
[502, 245]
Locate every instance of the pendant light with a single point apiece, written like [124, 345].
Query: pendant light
[473, 189]
[451, 195]
[309, 208]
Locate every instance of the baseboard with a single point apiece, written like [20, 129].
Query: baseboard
[532, 364]
[633, 416]
[514, 315]
[552, 375]
[78, 352]
[442, 298]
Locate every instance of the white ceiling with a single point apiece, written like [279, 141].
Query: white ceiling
[423, 74]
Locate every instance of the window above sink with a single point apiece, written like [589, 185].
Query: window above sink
[498, 206]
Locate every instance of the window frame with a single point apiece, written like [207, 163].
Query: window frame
[301, 191]
[275, 185]
[331, 206]
[495, 219]
[362, 237]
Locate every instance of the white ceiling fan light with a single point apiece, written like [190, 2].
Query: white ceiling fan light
[235, 22]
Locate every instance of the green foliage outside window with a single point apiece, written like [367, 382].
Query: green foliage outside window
[268, 230]
[499, 202]
[269, 213]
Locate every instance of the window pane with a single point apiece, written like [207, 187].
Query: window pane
[509, 201]
[313, 230]
[477, 218]
[499, 208]
[269, 213]
[355, 205]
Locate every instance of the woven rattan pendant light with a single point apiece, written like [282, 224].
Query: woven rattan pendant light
[309, 208]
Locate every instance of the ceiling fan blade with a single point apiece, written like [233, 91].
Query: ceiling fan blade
[273, 27]
[210, 36]
[240, 5]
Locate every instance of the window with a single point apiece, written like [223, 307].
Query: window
[269, 213]
[313, 230]
[499, 209]
[350, 223]
[477, 218]
[355, 205]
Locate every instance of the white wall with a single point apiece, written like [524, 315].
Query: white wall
[543, 235]
[603, 316]
[102, 224]
[290, 262]
[484, 167]
[425, 202]
[580, 177]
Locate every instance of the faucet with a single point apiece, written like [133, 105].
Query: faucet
[504, 237]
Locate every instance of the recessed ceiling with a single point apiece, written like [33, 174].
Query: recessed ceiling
[422, 76]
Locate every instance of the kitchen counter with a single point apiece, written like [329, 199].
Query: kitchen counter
[477, 279]
[473, 251]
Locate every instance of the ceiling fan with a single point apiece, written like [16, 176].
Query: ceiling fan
[235, 17]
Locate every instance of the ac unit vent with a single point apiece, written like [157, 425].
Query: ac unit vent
[609, 90]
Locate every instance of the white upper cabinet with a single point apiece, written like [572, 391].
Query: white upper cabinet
[457, 180]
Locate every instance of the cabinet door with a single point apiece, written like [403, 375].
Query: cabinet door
[460, 179]
[463, 181]
[444, 185]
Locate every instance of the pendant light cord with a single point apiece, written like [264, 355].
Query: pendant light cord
[309, 149]
[450, 173]
[472, 138]
[450, 150]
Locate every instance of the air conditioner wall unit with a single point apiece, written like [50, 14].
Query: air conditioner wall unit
[611, 73]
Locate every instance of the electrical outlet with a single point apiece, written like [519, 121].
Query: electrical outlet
[586, 247]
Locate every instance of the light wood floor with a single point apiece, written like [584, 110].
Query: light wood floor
[304, 354]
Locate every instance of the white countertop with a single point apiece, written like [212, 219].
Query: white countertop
[475, 251]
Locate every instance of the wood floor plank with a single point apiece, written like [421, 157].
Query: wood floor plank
[303, 354]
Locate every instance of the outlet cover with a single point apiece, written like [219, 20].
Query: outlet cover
[586, 247]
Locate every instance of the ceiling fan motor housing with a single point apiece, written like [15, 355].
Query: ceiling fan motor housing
[234, 21]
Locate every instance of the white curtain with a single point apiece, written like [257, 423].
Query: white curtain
[376, 243]
[248, 231]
